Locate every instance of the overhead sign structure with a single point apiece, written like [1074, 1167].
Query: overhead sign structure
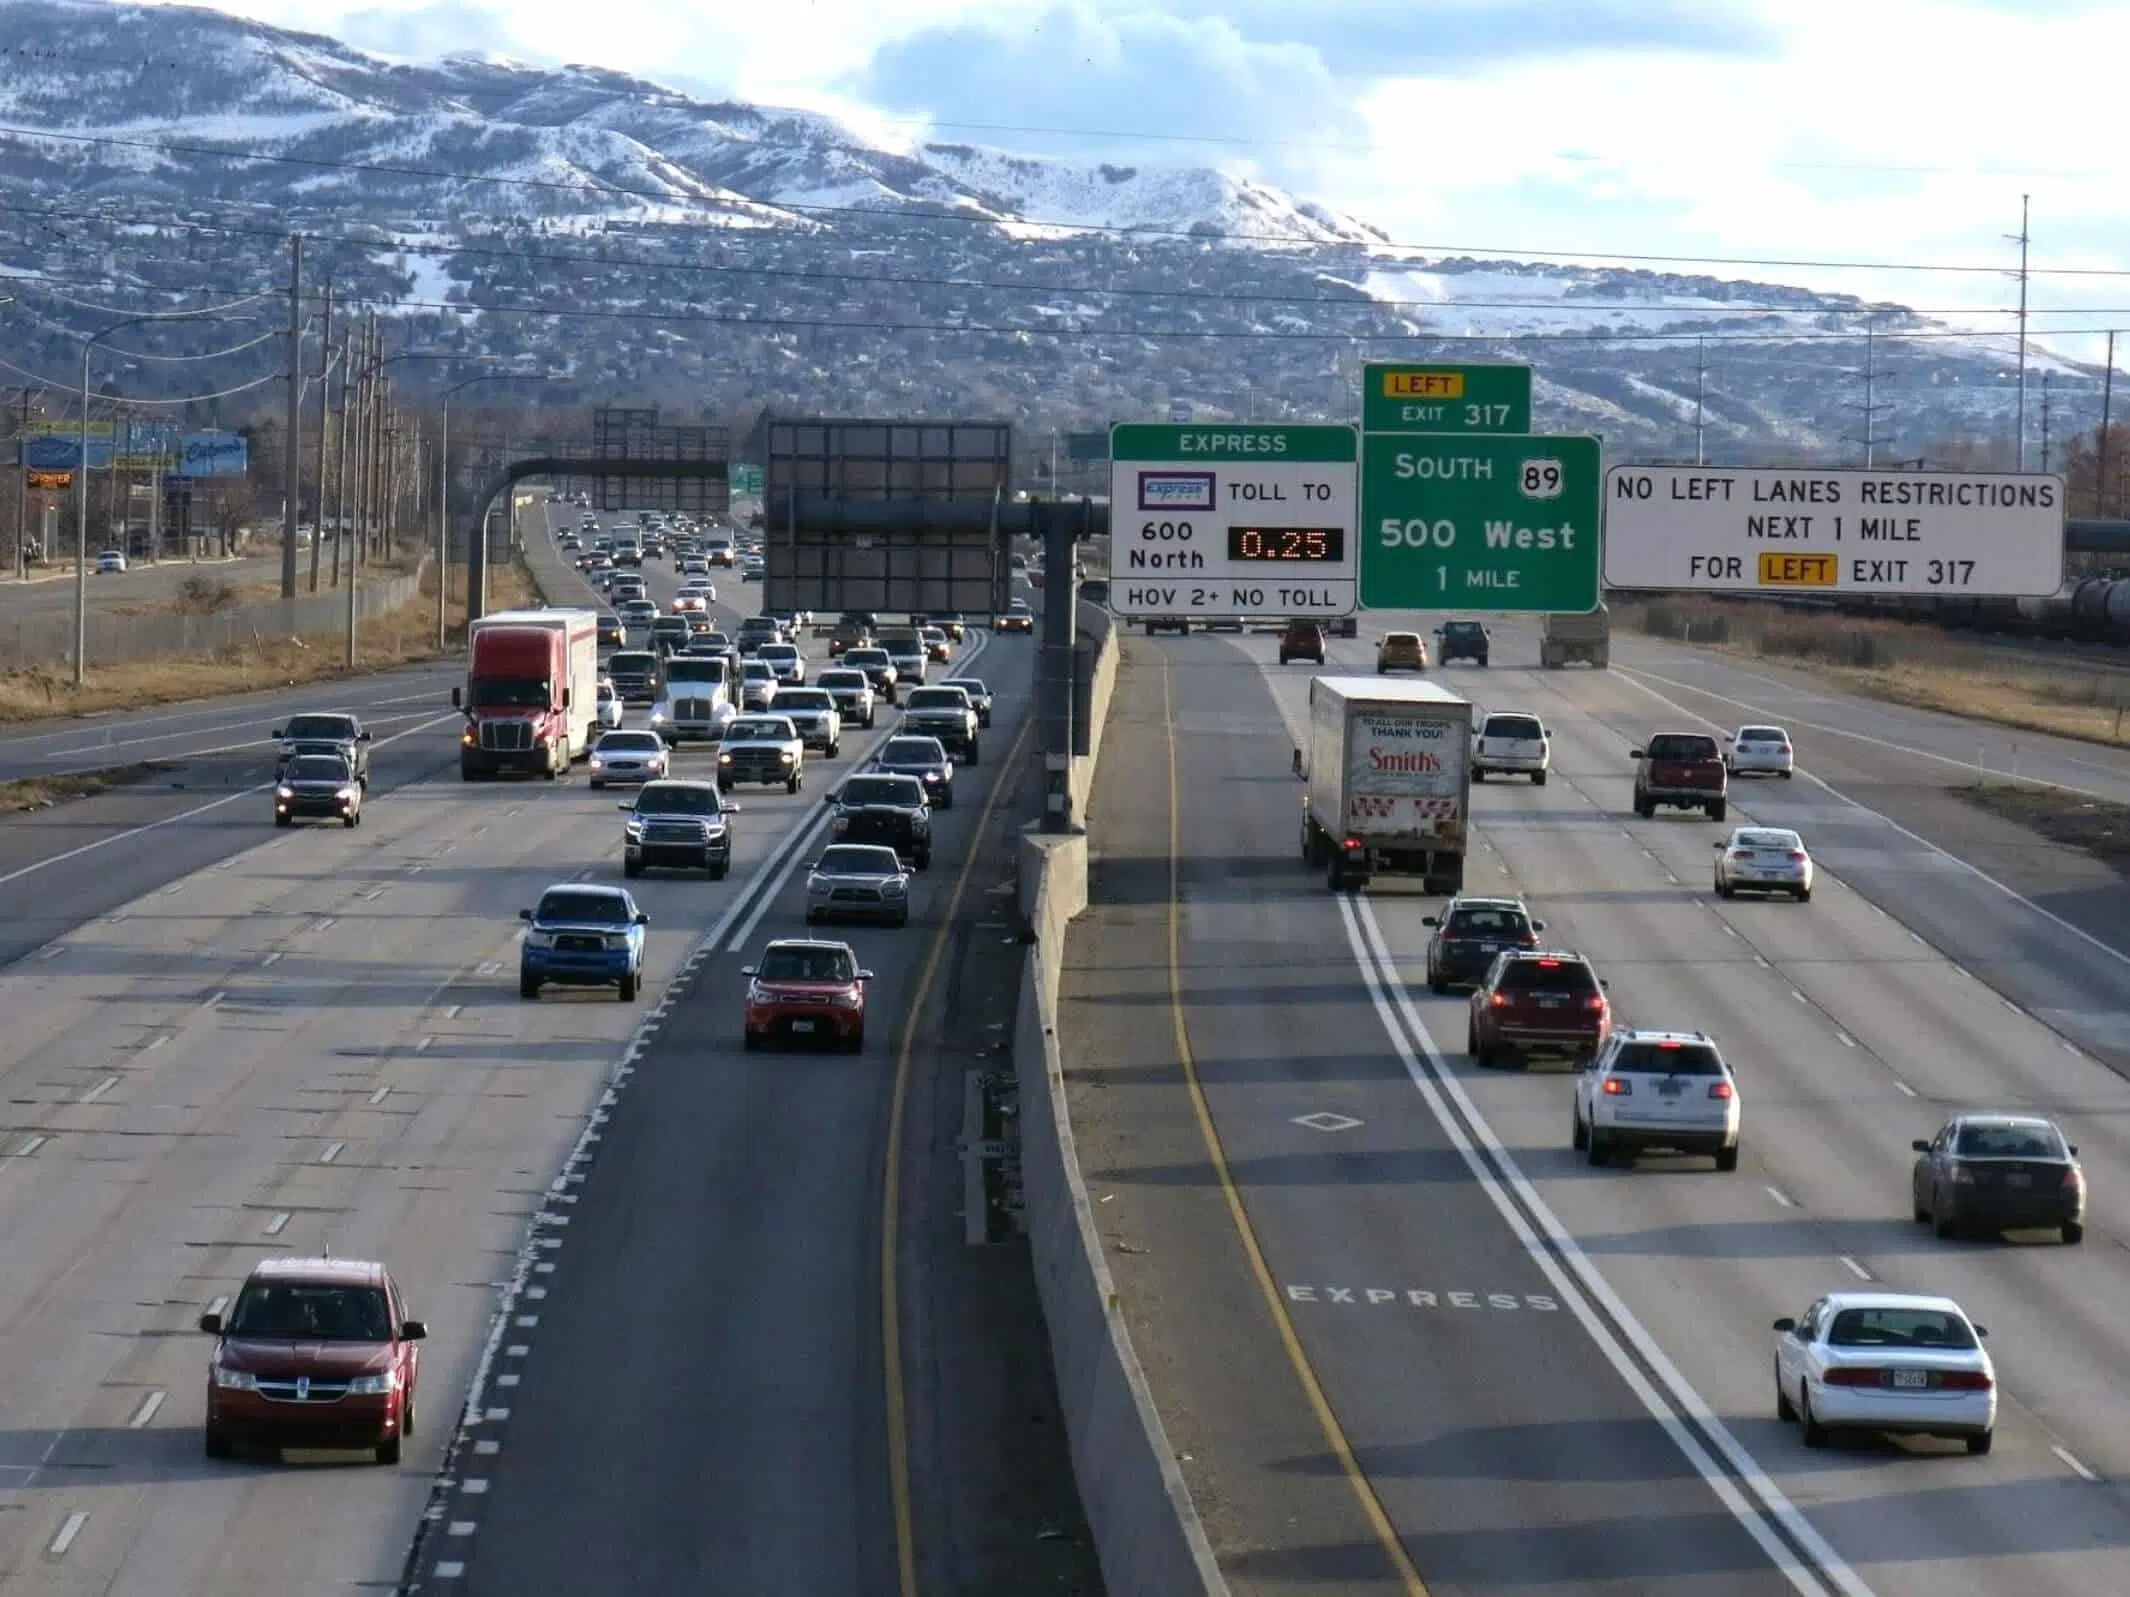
[1480, 524]
[1232, 520]
[1758, 530]
[1401, 397]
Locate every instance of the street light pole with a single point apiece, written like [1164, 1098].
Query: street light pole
[443, 495]
[81, 503]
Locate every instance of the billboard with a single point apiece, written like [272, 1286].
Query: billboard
[142, 446]
[214, 454]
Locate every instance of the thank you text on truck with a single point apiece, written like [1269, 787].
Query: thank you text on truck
[1389, 773]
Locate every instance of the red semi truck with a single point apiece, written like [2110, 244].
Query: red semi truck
[531, 694]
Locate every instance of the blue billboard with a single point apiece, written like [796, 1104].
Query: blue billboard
[141, 446]
[214, 455]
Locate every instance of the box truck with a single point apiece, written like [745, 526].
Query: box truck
[531, 697]
[1389, 778]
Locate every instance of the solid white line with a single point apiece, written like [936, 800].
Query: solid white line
[67, 1532]
[99, 1089]
[327, 924]
[275, 1226]
[212, 999]
[1781, 1197]
[332, 1153]
[1856, 1269]
[453, 1012]
[797, 843]
[54, 951]
[2077, 1466]
[146, 1412]
[1800, 997]
[1904, 1089]
[379, 1095]
[1437, 1084]
[1762, 962]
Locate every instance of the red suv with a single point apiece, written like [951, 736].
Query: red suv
[313, 1353]
[1538, 1002]
[806, 991]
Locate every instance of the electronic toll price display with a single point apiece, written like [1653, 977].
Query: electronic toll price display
[1238, 520]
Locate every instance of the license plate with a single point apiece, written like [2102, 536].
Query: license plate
[1549, 1003]
[1911, 1380]
[1670, 1089]
[2019, 1181]
[802, 1025]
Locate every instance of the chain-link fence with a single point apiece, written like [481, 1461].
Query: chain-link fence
[46, 639]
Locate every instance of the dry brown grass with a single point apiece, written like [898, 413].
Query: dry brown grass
[2094, 826]
[1907, 663]
[404, 636]
[42, 792]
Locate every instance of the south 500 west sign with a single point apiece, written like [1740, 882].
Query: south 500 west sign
[1725, 530]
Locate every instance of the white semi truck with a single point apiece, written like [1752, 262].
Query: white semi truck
[1389, 776]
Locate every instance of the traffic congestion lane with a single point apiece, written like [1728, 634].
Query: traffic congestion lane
[1850, 1039]
[704, 1392]
[1463, 1403]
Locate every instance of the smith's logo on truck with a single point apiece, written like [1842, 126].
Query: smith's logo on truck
[1423, 762]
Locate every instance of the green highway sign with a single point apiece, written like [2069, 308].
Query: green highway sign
[1477, 523]
[745, 479]
[1402, 397]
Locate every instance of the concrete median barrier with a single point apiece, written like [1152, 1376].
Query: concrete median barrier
[1146, 1528]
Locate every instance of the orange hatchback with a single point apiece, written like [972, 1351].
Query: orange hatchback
[805, 991]
[1401, 651]
[313, 1353]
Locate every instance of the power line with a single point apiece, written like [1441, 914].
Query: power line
[189, 399]
[732, 199]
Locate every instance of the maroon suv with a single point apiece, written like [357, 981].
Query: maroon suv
[313, 1353]
[1538, 1002]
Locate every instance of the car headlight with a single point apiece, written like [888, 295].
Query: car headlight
[786, 756]
[838, 824]
[617, 940]
[284, 792]
[633, 827]
[724, 759]
[598, 762]
[894, 889]
[235, 1380]
[658, 717]
[816, 888]
[374, 1385]
[347, 794]
[539, 939]
[850, 1000]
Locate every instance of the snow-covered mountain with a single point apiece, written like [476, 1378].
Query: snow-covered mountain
[651, 247]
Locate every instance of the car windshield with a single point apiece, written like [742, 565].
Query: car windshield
[1762, 734]
[808, 964]
[1900, 1327]
[1486, 923]
[759, 732]
[303, 1311]
[696, 668]
[1548, 976]
[1787, 841]
[968, 685]
[324, 728]
[2009, 1142]
[677, 800]
[780, 651]
[913, 751]
[867, 657]
[757, 671]
[318, 768]
[1463, 629]
[806, 699]
[632, 662]
[900, 792]
[603, 909]
[936, 699]
[1667, 1059]
[1395, 640]
[851, 859]
[630, 743]
[1524, 728]
[1682, 746]
[850, 681]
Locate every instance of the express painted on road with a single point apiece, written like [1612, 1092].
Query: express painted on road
[1412, 1297]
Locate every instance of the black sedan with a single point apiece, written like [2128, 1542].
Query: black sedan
[1999, 1172]
[1469, 933]
[884, 809]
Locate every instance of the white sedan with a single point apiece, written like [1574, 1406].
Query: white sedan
[1894, 1362]
[1760, 751]
[610, 707]
[1763, 859]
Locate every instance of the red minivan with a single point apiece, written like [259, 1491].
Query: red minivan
[1538, 1002]
[313, 1353]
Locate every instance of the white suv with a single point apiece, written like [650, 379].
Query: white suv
[1657, 1089]
[1514, 742]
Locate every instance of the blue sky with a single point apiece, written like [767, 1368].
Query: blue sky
[1900, 132]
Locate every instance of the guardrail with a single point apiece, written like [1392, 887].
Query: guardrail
[1146, 1528]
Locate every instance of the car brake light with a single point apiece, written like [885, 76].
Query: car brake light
[1721, 1089]
[1670, 1045]
[1784, 749]
[1351, 844]
[1549, 964]
[1797, 856]
[2071, 1177]
[1741, 853]
[1499, 1000]
[1966, 1380]
[1962, 1176]
[1595, 1001]
[1616, 1088]
[1856, 1377]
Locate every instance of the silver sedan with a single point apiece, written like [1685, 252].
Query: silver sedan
[858, 881]
[1763, 859]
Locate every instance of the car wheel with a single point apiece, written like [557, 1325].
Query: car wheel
[1578, 1133]
[974, 752]
[214, 1442]
[1471, 1039]
[923, 859]
[1727, 1158]
[1785, 1410]
[1718, 810]
[868, 722]
[750, 1043]
[720, 869]
[351, 820]
[1538, 778]
[1804, 895]
[632, 868]
[835, 751]
[1479, 774]
[1597, 1149]
[596, 784]
[813, 917]
[724, 784]
[528, 986]
[1437, 986]
[388, 1450]
[855, 1043]
[1981, 1444]
[282, 820]
[946, 799]
[1643, 807]
[1810, 1430]
[1944, 1225]
[1724, 889]
[1786, 775]
[904, 918]
[795, 782]
[626, 988]
[2073, 1232]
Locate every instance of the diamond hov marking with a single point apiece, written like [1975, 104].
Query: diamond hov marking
[1325, 1120]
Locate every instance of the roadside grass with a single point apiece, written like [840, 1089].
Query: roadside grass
[1906, 663]
[42, 792]
[2098, 827]
[404, 636]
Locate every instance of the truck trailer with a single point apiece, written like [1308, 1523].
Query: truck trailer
[531, 698]
[1586, 637]
[1389, 777]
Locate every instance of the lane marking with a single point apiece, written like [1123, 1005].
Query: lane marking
[1800, 997]
[29, 1147]
[212, 999]
[332, 1153]
[1856, 1269]
[450, 1569]
[146, 1412]
[272, 959]
[898, 1418]
[54, 951]
[1845, 1039]
[1799, 1552]
[1781, 1197]
[1904, 1089]
[154, 1043]
[68, 1531]
[379, 1095]
[1761, 961]
[421, 1045]
[2077, 1466]
[278, 1223]
[99, 1089]
[453, 1012]
[1335, 1438]
[218, 1305]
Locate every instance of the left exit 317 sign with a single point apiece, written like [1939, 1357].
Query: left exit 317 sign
[1233, 520]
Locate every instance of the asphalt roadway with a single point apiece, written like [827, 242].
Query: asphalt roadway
[1417, 1345]
[227, 1041]
[51, 592]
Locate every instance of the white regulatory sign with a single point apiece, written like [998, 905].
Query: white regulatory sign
[1757, 530]
[1233, 520]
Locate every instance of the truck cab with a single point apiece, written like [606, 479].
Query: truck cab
[513, 701]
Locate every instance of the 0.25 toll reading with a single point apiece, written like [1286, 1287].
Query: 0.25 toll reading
[1326, 544]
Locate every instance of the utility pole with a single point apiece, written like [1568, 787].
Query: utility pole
[352, 433]
[2023, 240]
[2045, 421]
[22, 492]
[1871, 405]
[292, 441]
[2107, 407]
[1700, 401]
[325, 399]
[340, 460]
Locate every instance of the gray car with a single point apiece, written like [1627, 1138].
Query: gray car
[924, 758]
[858, 881]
